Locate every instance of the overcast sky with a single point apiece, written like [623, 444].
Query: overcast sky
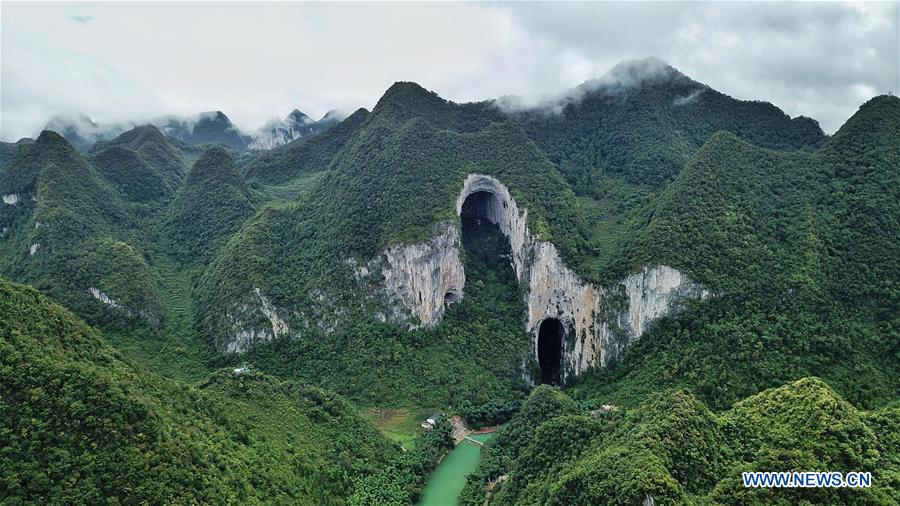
[131, 61]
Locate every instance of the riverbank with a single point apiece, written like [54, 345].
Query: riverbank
[449, 477]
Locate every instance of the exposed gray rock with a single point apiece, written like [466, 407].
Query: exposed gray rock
[247, 329]
[294, 126]
[420, 279]
[600, 321]
[414, 283]
[104, 298]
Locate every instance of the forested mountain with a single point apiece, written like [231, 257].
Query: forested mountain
[69, 228]
[304, 157]
[82, 424]
[81, 131]
[643, 121]
[206, 128]
[671, 449]
[211, 206]
[9, 150]
[212, 127]
[724, 279]
[143, 162]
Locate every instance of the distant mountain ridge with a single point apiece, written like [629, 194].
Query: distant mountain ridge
[212, 127]
[343, 260]
[292, 127]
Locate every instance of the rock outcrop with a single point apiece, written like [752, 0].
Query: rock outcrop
[419, 280]
[252, 323]
[104, 298]
[414, 283]
[599, 321]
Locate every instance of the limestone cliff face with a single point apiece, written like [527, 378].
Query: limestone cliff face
[104, 298]
[651, 293]
[419, 280]
[253, 322]
[599, 321]
[502, 211]
[414, 284]
[15, 198]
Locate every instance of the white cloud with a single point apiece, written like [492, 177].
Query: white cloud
[126, 61]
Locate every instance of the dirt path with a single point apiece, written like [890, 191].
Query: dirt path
[459, 429]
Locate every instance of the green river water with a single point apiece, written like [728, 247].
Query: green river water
[448, 479]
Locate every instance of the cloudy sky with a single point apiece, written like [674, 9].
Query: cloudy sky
[133, 61]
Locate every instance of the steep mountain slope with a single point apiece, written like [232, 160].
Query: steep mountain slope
[81, 131]
[206, 128]
[354, 259]
[644, 119]
[212, 205]
[865, 197]
[143, 163]
[799, 292]
[67, 232]
[392, 182]
[310, 154]
[473, 356]
[212, 127]
[9, 150]
[672, 450]
[294, 126]
[82, 425]
[753, 225]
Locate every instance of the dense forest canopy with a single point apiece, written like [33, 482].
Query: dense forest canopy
[155, 245]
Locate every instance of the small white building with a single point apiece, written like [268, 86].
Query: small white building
[432, 420]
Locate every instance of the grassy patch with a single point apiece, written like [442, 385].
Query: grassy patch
[398, 424]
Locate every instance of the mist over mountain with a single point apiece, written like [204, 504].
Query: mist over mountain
[294, 126]
[649, 286]
[81, 131]
[205, 128]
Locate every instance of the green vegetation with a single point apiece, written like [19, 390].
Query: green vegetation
[81, 424]
[211, 206]
[9, 150]
[401, 425]
[472, 357]
[794, 234]
[644, 132]
[304, 155]
[799, 292]
[673, 449]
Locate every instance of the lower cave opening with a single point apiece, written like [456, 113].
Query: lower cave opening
[549, 351]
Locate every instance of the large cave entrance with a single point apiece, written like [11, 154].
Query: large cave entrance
[481, 205]
[482, 239]
[549, 350]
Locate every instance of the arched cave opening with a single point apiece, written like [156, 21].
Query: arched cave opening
[478, 217]
[549, 350]
[480, 205]
[451, 297]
